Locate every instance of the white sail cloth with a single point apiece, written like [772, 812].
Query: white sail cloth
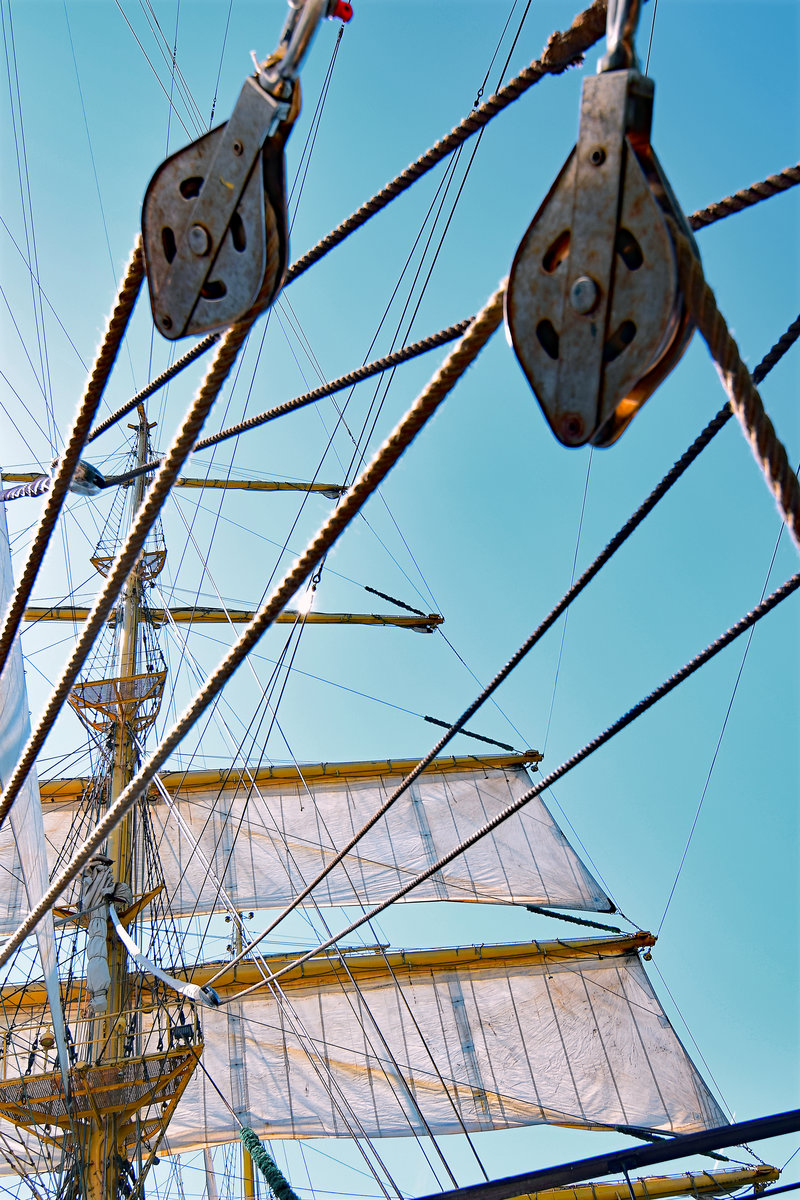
[263, 845]
[515, 1041]
[23, 831]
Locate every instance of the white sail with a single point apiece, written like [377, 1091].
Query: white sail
[567, 1033]
[264, 838]
[23, 830]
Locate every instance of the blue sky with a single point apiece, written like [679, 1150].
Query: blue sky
[485, 516]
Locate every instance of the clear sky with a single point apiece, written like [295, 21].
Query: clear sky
[486, 518]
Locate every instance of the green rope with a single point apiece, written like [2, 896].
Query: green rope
[278, 1185]
[535, 908]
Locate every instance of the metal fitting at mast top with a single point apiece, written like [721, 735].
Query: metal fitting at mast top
[622, 20]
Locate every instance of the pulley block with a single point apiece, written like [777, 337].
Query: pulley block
[593, 307]
[214, 223]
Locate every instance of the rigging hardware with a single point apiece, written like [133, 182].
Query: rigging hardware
[214, 220]
[594, 310]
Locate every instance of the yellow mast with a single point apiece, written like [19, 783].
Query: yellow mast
[103, 1158]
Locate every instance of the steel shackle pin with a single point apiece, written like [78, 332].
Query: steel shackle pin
[622, 20]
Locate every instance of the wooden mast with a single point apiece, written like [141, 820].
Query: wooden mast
[104, 1151]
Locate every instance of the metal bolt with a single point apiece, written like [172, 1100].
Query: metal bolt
[597, 157]
[584, 294]
[199, 241]
[238, 148]
[570, 428]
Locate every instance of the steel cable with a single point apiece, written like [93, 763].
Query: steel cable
[589, 748]
[424, 407]
[145, 518]
[622, 535]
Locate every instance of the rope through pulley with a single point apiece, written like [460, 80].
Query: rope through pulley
[214, 219]
[594, 310]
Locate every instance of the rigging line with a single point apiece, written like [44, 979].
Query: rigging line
[652, 31]
[22, 343]
[714, 648]
[221, 58]
[15, 423]
[198, 128]
[168, 54]
[320, 816]
[314, 128]
[713, 427]
[145, 518]
[719, 739]
[698, 1051]
[364, 436]
[745, 401]
[27, 218]
[104, 361]
[764, 190]
[698, 220]
[44, 295]
[566, 614]
[421, 411]
[563, 50]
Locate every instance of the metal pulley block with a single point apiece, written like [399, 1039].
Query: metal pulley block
[214, 222]
[593, 307]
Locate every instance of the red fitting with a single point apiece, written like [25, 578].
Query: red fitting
[343, 10]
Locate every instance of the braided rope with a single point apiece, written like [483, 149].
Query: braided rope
[563, 50]
[344, 381]
[744, 399]
[327, 389]
[129, 552]
[589, 748]
[771, 186]
[421, 411]
[107, 353]
[619, 538]
[154, 385]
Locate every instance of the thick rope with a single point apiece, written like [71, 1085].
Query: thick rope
[771, 186]
[115, 330]
[145, 519]
[421, 411]
[404, 354]
[619, 538]
[626, 719]
[276, 1181]
[563, 50]
[154, 385]
[744, 399]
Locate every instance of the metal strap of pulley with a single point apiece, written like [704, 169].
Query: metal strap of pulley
[214, 223]
[593, 308]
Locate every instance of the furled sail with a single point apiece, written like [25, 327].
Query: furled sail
[488, 1037]
[264, 835]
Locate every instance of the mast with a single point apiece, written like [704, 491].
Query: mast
[104, 1160]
